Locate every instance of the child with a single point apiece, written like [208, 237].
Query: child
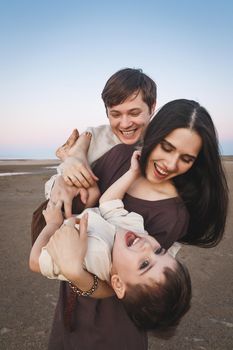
[154, 287]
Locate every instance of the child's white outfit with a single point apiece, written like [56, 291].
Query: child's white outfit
[103, 223]
[101, 230]
[102, 140]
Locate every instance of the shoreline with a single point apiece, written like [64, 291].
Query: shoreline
[6, 162]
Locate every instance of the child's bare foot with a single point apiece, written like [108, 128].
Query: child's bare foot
[62, 152]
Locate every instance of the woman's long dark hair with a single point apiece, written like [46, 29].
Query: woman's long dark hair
[203, 187]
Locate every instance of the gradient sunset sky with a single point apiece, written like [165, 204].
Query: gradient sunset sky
[57, 55]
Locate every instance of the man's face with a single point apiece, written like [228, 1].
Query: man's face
[129, 119]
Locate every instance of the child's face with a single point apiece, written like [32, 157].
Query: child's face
[138, 260]
[129, 119]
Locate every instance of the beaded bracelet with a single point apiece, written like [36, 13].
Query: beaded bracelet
[85, 293]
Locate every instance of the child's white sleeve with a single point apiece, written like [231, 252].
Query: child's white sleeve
[98, 258]
[174, 249]
[48, 267]
[114, 212]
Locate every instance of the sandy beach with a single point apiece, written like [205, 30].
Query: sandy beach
[28, 300]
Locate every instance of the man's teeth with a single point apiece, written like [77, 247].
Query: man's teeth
[128, 133]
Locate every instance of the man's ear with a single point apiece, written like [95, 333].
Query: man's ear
[119, 286]
[152, 110]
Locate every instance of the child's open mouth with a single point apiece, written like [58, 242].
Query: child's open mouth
[131, 239]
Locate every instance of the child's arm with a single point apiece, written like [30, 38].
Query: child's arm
[118, 189]
[54, 219]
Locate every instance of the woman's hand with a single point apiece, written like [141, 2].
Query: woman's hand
[53, 214]
[68, 247]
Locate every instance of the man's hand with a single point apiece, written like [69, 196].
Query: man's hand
[76, 171]
[65, 193]
[68, 247]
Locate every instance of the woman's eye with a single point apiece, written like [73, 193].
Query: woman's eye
[187, 160]
[166, 147]
[144, 264]
[160, 251]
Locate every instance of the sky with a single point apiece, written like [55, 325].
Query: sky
[56, 56]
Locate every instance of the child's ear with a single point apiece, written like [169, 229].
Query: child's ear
[119, 286]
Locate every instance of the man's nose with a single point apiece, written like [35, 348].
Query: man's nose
[125, 122]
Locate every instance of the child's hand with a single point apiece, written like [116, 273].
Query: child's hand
[135, 167]
[53, 214]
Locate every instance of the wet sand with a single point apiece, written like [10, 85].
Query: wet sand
[28, 300]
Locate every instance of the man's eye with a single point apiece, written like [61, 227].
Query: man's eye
[144, 264]
[160, 251]
[115, 115]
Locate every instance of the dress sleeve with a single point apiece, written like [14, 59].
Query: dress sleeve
[114, 212]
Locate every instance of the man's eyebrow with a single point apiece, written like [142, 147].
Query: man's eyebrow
[135, 109]
[148, 269]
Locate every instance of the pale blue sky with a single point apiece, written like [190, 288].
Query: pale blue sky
[57, 55]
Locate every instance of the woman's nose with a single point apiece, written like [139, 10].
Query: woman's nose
[172, 163]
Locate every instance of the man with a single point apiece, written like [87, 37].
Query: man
[130, 99]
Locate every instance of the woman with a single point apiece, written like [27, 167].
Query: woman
[181, 156]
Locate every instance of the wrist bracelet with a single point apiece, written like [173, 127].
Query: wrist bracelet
[85, 293]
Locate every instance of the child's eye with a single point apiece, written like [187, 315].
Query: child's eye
[160, 251]
[144, 264]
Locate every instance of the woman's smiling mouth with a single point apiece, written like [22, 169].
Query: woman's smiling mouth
[160, 171]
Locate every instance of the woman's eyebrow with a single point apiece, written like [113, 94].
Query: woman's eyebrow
[168, 143]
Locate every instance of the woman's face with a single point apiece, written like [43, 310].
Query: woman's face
[174, 155]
